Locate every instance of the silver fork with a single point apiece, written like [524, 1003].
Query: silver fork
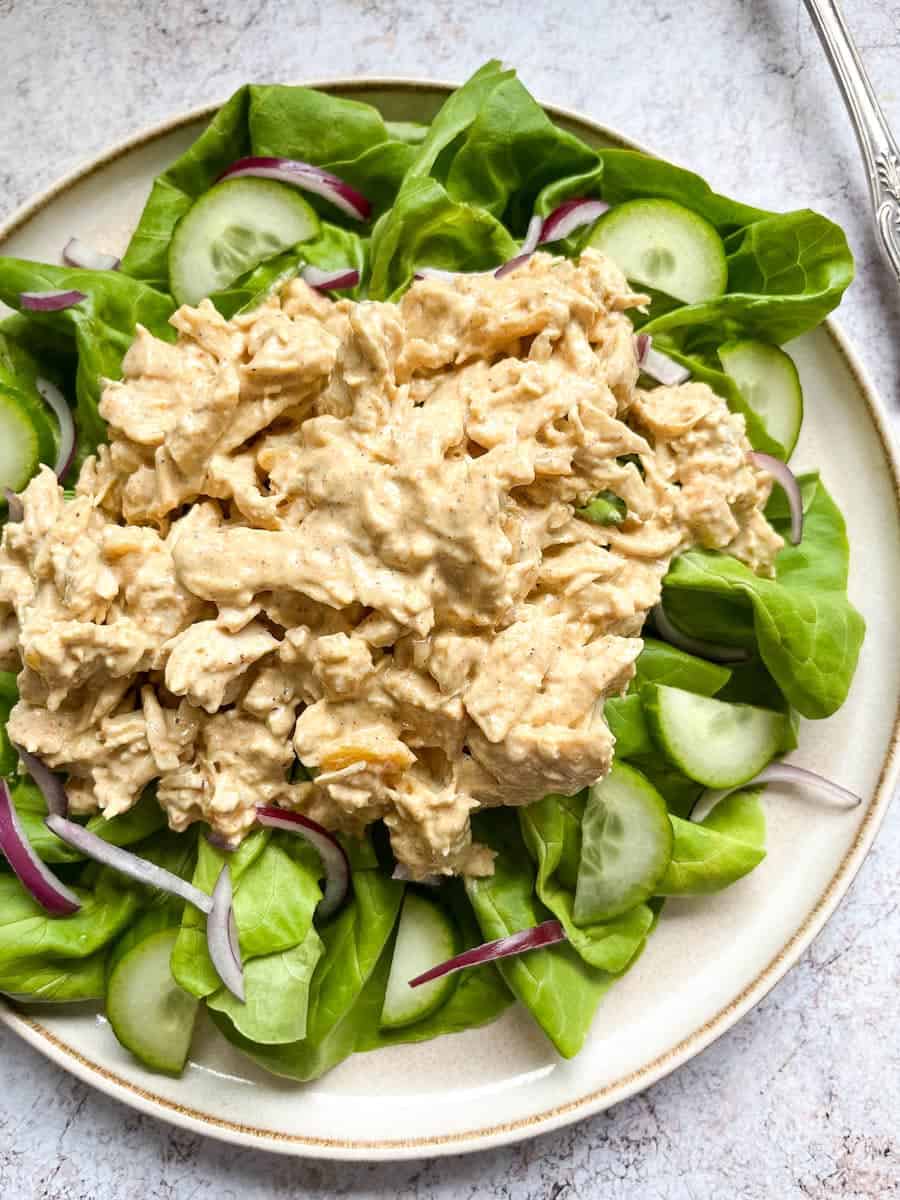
[879, 149]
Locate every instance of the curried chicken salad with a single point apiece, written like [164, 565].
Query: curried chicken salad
[399, 544]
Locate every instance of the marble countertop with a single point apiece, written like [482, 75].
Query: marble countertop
[802, 1098]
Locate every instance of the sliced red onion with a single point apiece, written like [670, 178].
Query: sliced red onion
[659, 366]
[533, 235]
[306, 176]
[785, 477]
[222, 937]
[50, 301]
[220, 842]
[571, 216]
[334, 858]
[691, 645]
[506, 268]
[781, 772]
[330, 281]
[35, 876]
[54, 398]
[49, 785]
[15, 509]
[545, 934]
[126, 863]
[78, 254]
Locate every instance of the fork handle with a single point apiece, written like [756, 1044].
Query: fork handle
[879, 149]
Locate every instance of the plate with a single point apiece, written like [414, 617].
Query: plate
[711, 960]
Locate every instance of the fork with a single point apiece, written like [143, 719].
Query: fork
[880, 151]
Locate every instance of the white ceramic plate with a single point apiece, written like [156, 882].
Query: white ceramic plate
[710, 961]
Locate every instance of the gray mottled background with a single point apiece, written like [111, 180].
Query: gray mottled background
[803, 1098]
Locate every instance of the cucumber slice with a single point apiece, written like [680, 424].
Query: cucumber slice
[666, 247]
[626, 846]
[426, 936]
[149, 1013]
[26, 438]
[230, 230]
[768, 380]
[711, 741]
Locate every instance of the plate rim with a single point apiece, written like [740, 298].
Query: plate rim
[107, 1081]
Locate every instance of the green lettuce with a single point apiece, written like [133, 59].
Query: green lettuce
[807, 632]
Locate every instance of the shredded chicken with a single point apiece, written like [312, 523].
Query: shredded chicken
[347, 534]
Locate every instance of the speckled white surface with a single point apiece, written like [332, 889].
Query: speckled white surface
[802, 1098]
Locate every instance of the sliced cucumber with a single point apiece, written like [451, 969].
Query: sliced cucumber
[711, 741]
[666, 247]
[770, 384]
[426, 936]
[149, 1013]
[626, 846]
[230, 230]
[26, 438]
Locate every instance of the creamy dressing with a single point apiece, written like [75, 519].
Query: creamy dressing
[347, 532]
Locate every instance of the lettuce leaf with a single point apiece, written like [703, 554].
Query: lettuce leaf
[807, 632]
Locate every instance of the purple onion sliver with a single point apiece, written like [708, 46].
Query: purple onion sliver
[221, 937]
[785, 477]
[507, 267]
[332, 853]
[77, 254]
[690, 645]
[330, 281]
[126, 863]
[532, 235]
[15, 509]
[50, 301]
[781, 772]
[305, 176]
[37, 879]
[663, 369]
[571, 216]
[545, 934]
[49, 784]
[642, 343]
[53, 397]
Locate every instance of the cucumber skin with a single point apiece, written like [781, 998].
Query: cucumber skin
[653, 704]
[441, 995]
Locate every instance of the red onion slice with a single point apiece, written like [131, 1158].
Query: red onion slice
[15, 509]
[305, 176]
[690, 645]
[506, 268]
[657, 365]
[781, 772]
[330, 281]
[37, 879]
[785, 477]
[533, 235]
[78, 254]
[334, 859]
[126, 863]
[53, 398]
[222, 937]
[49, 785]
[545, 934]
[50, 301]
[571, 216]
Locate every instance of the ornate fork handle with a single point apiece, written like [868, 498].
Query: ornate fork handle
[879, 149]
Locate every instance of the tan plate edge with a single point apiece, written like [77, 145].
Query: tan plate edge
[33, 1032]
